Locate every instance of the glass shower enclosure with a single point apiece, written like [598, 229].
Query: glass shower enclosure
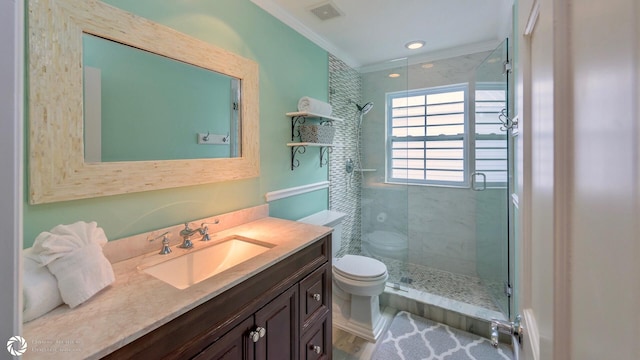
[434, 169]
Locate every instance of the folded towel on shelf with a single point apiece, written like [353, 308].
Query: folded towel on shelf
[311, 105]
[40, 292]
[73, 254]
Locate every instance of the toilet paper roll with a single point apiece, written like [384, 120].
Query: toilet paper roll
[382, 217]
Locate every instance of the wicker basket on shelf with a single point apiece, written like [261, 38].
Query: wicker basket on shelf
[312, 133]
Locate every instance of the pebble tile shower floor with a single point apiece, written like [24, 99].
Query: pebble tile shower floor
[466, 289]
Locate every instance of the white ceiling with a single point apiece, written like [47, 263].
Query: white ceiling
[372, 32]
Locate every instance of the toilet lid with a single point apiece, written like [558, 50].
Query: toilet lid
[362, 267]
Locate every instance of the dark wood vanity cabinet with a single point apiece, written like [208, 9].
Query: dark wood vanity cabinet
[268, 334]
[283, 312]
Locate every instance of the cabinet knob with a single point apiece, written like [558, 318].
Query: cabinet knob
[254, 336]
[258, 333]
[317, 349]
[316, 297]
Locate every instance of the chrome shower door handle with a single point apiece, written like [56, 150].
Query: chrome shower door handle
[474, 185]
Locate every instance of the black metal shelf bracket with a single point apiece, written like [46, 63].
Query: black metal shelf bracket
[296, 149]
[296, 120]
[324, 151]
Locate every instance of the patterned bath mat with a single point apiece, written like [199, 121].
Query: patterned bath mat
[411, 337]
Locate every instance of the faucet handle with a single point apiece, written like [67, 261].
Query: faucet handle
[205, 235]
[165, 243]
[204, 229]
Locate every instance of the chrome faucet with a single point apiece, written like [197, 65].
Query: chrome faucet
[187, 232]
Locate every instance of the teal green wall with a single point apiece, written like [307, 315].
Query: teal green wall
[153, 107]
[290, 67]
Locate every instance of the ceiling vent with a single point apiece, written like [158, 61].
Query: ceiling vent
[326, 11]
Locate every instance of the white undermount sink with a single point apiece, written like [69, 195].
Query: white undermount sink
[200, 264]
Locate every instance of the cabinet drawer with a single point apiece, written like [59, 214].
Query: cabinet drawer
[315, 296]
[316, 343]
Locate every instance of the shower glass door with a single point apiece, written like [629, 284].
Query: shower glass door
[491, 177]
[385, 205]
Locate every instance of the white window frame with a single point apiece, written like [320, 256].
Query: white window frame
[468, 138]
[465, 183]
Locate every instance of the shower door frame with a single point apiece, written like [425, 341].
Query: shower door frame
[506, 248]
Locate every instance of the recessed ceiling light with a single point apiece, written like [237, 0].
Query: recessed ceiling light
[413, 45]
[394, 75]
[426, 66]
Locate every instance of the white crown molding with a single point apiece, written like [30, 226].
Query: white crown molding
[434, 56]
[279, 13]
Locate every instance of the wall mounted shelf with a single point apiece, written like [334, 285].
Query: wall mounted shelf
[297, 118]
[305, 114]
[301, 148]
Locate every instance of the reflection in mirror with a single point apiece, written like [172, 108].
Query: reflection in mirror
[142, 106]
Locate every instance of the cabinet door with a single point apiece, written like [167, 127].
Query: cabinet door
[316, 342]
[234, 345]
[280, 320]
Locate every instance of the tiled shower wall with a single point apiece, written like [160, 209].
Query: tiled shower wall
[345, 89]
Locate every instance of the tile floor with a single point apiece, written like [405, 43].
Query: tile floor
[350, 347]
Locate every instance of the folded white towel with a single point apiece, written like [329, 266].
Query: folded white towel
[315, 106]
[73, 254]
[40, 292]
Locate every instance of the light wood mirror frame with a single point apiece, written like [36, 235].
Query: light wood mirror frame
[57, 169]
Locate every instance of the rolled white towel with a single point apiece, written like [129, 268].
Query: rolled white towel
[73, 254]
[311, 105]
[40, 292]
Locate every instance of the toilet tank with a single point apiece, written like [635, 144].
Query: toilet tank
[332, 219]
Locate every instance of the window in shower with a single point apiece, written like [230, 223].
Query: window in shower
[427, 136]
[490, 135]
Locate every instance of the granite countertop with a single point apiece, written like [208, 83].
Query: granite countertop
[138, 303]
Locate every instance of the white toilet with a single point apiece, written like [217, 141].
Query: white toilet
[358, 282]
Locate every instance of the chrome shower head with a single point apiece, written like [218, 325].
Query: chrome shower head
[365, 108]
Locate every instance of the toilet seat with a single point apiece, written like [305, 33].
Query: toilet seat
[360, 268]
